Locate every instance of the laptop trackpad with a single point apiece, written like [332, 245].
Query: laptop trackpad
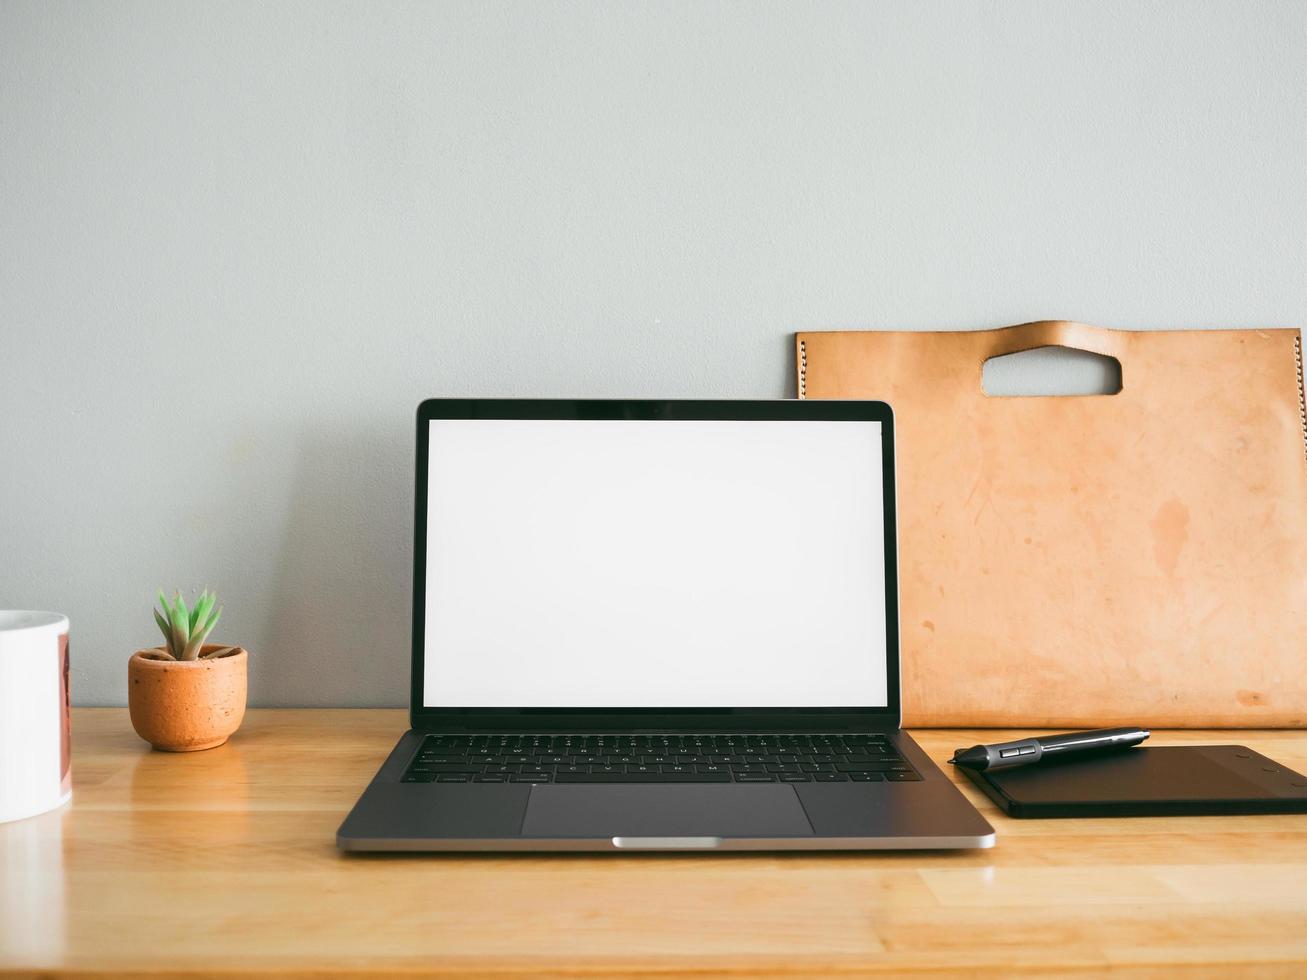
[664, 810]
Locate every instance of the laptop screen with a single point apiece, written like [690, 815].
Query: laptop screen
[654, 564]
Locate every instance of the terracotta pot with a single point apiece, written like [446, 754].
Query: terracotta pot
[186, 705]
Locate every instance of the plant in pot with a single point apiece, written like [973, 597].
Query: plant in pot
[187, 694]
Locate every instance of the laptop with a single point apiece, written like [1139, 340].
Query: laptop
[656, 625]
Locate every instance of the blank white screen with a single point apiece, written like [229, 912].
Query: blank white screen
[654, 564]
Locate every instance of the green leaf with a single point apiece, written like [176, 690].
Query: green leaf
[163, 627]
[175, 615]
[166, 621]
[201, 610]
[181, 628]
[198, 637]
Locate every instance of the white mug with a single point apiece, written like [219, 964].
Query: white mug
[35, 729]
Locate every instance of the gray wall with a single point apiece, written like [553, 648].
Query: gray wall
[240, 241]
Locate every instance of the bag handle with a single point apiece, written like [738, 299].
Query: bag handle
[1053, 333]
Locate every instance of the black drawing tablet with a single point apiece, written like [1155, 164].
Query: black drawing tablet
[1148, 782]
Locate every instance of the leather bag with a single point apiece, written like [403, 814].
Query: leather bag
[1137, 558]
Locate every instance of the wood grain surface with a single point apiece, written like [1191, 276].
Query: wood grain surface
[222, 863]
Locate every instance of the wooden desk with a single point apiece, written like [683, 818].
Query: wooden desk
[222, 862]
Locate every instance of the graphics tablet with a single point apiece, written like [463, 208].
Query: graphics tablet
[1147, 782]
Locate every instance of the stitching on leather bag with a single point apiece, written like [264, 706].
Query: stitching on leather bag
[1302, 391]
[803, 369]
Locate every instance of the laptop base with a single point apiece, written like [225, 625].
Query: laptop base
[613, 817]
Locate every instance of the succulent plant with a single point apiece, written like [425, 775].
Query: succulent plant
[185, 630]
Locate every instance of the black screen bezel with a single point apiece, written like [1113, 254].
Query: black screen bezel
[886, 718]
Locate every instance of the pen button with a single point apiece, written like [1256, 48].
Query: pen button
[1008, 753]
[1026, 750]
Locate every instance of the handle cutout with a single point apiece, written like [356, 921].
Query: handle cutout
[1050, 371]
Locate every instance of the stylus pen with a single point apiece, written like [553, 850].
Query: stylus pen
[1005, 755]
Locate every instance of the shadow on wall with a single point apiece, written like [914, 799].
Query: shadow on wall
[339, 617]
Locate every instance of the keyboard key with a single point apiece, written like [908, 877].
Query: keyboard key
[794, 777]
[753, 777]
[748, 769]
[902, 777]
[531, 778]
[491, 778]
[463, 766]
[454, 777]
[643, 777]
[418, 777]
[867, 777]
[867, 766]
[830, 777]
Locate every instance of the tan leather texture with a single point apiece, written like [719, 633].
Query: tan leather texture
[1137, 558]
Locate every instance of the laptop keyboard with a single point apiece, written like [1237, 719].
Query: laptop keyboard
[658, 759]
